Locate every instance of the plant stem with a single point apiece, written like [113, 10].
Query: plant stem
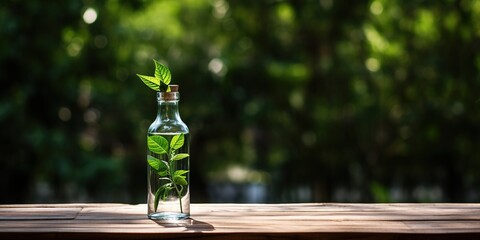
[172, 170]
[179, 197]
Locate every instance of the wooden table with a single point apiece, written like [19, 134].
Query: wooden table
[244, 221]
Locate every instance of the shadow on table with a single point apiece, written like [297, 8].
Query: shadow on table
[190, 224]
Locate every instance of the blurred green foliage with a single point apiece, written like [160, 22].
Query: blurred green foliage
[316, 100]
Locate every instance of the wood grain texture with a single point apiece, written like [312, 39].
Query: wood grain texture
[244, 221]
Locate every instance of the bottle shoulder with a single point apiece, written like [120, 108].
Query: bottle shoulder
[176, 126]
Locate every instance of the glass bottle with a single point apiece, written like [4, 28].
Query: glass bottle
[168, 161]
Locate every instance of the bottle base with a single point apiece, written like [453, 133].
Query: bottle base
[168, 216]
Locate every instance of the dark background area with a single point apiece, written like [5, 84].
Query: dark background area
[287, 101]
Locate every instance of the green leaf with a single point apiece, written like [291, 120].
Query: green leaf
[162, 73]
[153, 162]
[160, 166]
[180, 172]
[177, 141]
[157, 199]
[180, 180]
[166, 188]
[157, 144]
[150, 81]
[164, 172]
[180, 156]
[162, 193]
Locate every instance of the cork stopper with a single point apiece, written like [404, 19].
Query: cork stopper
[173, 88]
[173, 95]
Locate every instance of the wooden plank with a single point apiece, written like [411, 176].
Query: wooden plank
[18, 213]
[245, 221]
[61, 205]
[350, 212]
[124, 211]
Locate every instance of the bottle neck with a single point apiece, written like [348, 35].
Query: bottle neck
[168, 106]
[168, 110]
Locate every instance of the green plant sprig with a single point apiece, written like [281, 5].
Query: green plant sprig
[176, 178]
[159, 82]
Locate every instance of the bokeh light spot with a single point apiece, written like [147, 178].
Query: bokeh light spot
[372, 64]
[64, 114]
[376, 8]
[90, 16]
